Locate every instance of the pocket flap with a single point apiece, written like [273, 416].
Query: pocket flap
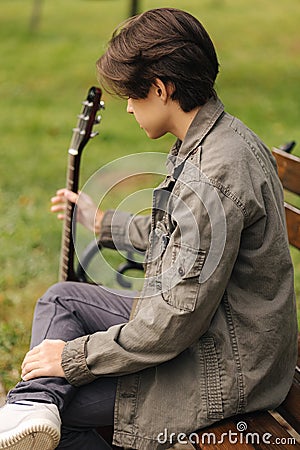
[188, 261]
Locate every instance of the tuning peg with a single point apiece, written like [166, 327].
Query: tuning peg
[94, 133]
[83, 117]
[97, 119]
[101, 105]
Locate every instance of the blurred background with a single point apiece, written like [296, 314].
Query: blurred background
[48, 52]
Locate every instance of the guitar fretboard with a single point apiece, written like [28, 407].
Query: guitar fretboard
[81, 135]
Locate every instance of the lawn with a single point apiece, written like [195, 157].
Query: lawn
[45, 74]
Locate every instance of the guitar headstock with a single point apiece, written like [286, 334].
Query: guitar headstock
[83, 131]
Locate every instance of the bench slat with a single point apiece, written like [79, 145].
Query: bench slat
[290, 408]
[293, 224]
[288, 170]
[266, 423]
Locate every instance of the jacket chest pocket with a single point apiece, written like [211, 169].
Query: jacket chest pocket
[180, 271]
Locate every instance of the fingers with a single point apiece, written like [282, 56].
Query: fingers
[67, 194]
[29, 357]
[29, 371]
[36, 373]
[62, 195]
[58, 202]
[43, 360]
[87, 212]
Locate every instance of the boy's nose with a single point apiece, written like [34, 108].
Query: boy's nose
[129, 107]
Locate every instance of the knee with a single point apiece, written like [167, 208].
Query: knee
[53, 293]
[59, 290]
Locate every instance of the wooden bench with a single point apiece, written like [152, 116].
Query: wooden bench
[261, 430]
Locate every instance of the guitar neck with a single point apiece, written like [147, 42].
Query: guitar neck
[66, 269]
[81, 135]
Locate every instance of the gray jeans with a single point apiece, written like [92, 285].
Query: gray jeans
[66, 311]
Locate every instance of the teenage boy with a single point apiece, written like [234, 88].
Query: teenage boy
[213, 333]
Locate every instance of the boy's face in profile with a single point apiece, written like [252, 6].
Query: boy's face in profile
[153, 112]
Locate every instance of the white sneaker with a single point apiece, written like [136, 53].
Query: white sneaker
[29, 426]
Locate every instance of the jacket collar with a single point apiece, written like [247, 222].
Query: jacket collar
[203, 122]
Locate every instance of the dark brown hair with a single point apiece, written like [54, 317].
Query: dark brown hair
[164, 43]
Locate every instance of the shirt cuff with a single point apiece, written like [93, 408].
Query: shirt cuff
[114, 231]
[74, 364]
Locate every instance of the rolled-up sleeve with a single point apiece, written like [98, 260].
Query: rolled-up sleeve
[74, 362]
[124, 231]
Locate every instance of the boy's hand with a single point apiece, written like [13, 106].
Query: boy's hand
[44, 360]
[87, 212]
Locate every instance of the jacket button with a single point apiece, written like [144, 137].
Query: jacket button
[181, 271]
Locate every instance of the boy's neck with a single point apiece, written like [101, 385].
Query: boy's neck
[181, 121]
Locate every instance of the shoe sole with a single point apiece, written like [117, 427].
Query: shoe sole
[34, 437]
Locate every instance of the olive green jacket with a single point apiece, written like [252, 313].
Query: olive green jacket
[214, 331]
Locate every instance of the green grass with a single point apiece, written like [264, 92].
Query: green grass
[44, 76]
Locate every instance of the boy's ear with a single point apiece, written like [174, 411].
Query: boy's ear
[164, 91]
